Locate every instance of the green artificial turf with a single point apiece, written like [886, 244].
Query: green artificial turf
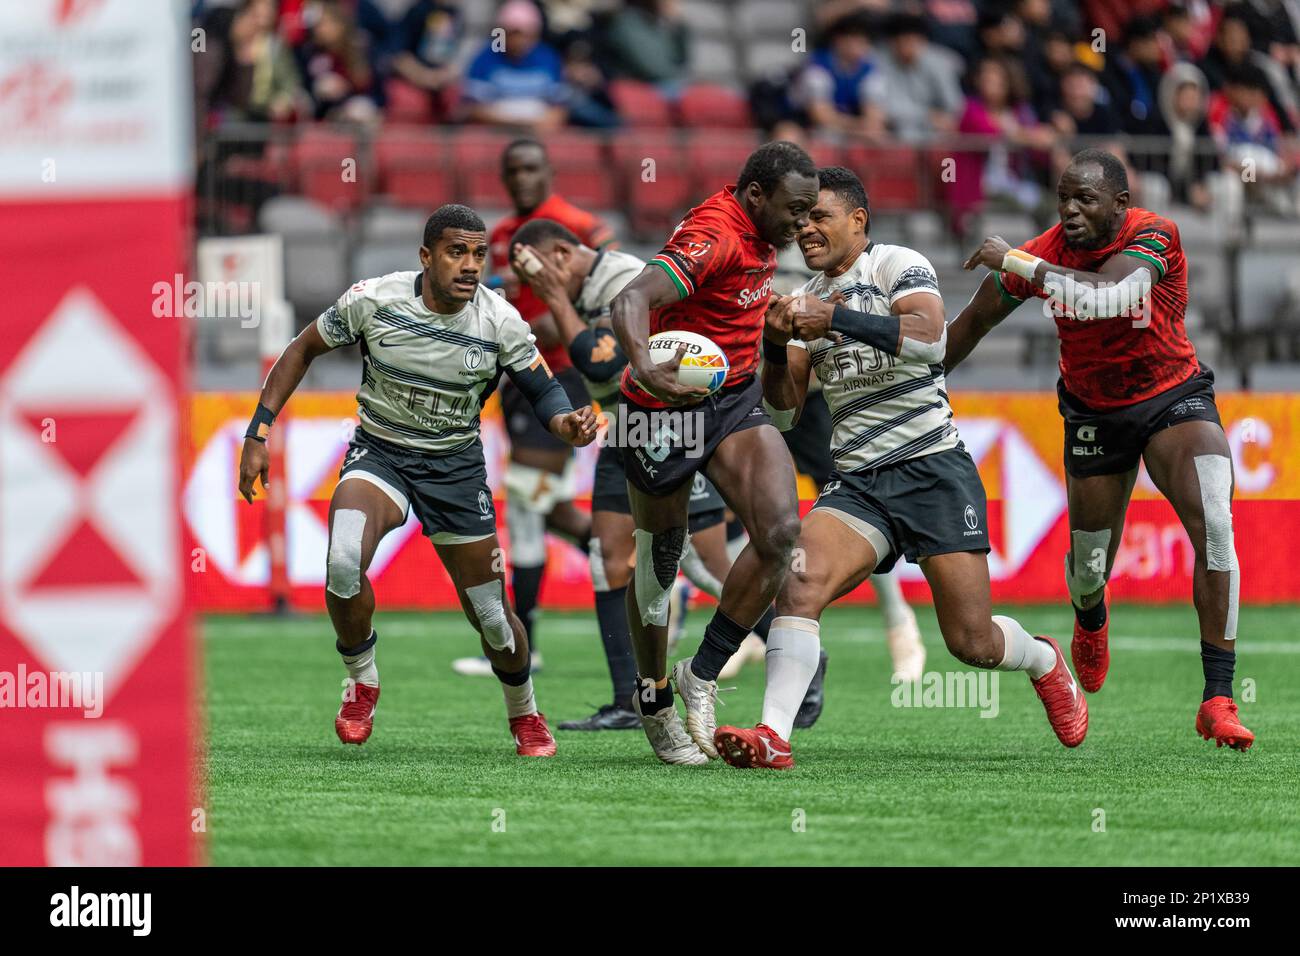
[438, 783]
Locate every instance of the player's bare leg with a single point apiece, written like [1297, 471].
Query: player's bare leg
[611, 555]
[1191, 464]
[476, 569]
[960, 584]
[708, 570]
[360, 515]
[659, 541]
[833, 560]
[1097, 506]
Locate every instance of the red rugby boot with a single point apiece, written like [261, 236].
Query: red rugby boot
[356, 718]
[532, 736]
[1090, 651]
[1067, 710]
[1217, 718]
[756, 747]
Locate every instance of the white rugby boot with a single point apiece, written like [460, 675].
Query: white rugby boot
[667, 736]
[699, 696]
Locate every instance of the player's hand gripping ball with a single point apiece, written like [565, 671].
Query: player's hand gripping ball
[703, 364]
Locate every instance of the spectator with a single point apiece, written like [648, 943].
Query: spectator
[262, 81]
[1085, 107]
[425, 44]
[1231, 49]
[914, 92]
[1004, 171]
[1002, 36]
[952, 24]
[589, 101]
[522, 83]
[1056, 60]
[1132, 77]
[1249, 135]
[1190, 158]
[568, 21]
[335, 64]
[829, 89]
[1188, 30]
[1112, 17]
[1274, 28]
[649, 41]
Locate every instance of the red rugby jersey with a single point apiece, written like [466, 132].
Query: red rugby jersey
[1111, 363]
[723, 272]
[590, 229]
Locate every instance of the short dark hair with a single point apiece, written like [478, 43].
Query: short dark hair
[1113, 173]
[907, 24]
[536, 231]
[846, 185]
[770, 163]
[451, 216]
[1246, 74]
[520, 143]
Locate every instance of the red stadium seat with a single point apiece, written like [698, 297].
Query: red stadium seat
[656, 179]
[894, 176]
[825, 152]
[640, 104]
[716, 160]
[477, 153]
[406, 103]
[415, 167]
[582, 170]
[318, 168]
[710, 106]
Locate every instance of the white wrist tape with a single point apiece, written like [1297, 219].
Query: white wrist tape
[1020, 263]
[782, 418]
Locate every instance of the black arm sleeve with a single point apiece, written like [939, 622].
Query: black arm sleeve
[542, 390]
[597, 355]
[878, 330]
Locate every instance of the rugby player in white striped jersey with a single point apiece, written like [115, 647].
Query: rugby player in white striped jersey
[434, 344]
[870, 325]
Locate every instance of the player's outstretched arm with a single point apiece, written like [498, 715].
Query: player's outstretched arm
[630, 313]
[913, 330]
[551, 405]
[785, 369]
[987, 307]
[1121, 285]
[284, 377]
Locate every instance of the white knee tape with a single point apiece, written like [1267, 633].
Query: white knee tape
[527, 534]
[596, 559]
[651, 593]
[343, 565]
[1214, 474]
[698, 573]
[539, 490]
[1087, 563]
[488, 601]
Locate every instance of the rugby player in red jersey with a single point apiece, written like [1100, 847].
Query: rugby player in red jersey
[713, 277]
[1115, 279]
[539, 477]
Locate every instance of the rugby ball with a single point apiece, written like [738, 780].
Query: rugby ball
[704, 365]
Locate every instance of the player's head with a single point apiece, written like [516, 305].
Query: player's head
[526, 174]
[554, 242]
[453, 255]
[837, 226]
[777, 188]
[1092, 198]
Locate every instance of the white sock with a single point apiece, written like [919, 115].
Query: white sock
[1022, 651]
[793, 652]
[890, 595]
[519, 700]
[361, 668]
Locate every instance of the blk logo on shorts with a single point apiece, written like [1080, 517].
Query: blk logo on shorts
[1087, 433]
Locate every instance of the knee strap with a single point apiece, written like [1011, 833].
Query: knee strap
[657, 558]
[343, 565]
[1214, 474]
[488, 601]
[1087, 564]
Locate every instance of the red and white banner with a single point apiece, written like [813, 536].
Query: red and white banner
[97, 727]
[1015, 439]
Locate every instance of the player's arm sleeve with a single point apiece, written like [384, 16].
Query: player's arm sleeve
[691, 256]
[1154, 244]
[596, 354]
[344, 322]
[519, 357]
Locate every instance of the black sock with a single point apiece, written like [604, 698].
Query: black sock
[1092, 619]
[654, 699]
[721, 638]
[527, 584]
[611, 615]
[765, 622]
[517, 679]
[1218, 666]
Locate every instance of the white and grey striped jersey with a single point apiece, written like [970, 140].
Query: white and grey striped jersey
[611, 271]
[424, 374]
[883, 409]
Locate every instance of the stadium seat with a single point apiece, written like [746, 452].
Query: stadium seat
[713, 61]
[315, 251]
[708, 18]
[764, 57]
[716, 160]
[711, 106]
[581, 166]
[319, 170]
[826, 152]
[477, 154]
[893, 176]
[771, 19]
[640, 104]
[405, 103]
[656, 181]
[389, 224]
[415, 168]
[381, 258]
